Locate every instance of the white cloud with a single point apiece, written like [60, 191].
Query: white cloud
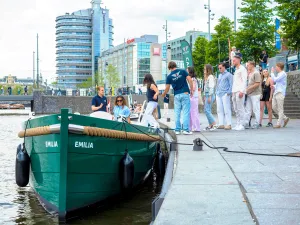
[21, 20]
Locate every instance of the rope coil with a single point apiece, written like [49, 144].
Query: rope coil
[93, 131]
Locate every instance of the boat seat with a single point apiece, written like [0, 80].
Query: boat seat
[101, 115]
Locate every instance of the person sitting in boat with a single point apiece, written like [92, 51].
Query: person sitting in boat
[99, 102]
[121, 110]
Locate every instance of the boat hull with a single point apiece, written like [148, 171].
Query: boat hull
[74, 172]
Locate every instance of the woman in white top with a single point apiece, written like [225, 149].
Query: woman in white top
[209, 90]
[194, 112]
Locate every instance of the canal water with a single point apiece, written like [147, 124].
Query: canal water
[20, 206]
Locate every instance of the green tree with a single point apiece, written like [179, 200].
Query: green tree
[16, 88]
[257, 29]
[218, 49]
[289, 12]
[86, 84]
[112, 76]
[199, 52]
[99, 79]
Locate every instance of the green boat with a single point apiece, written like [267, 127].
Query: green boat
[75, 160]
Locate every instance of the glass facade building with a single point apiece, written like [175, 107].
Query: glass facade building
[80, 38]
[132, 60]
[190, 37]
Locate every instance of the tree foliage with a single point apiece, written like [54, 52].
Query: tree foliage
[86, 84]
[257, 29]
[99, 78]
[218, 49]
[112, 76]
[15, 89]
[199, 53]
[289, 13]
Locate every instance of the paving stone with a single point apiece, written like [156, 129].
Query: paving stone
[278, 216]
[257, 177]
[274, 201]
[272, 187]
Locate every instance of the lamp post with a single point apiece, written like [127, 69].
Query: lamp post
[37, 62]
[210, 17]
[33, 77]
[234, 15]
[165, 27]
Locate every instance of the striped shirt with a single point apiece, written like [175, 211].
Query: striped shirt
[224, 85]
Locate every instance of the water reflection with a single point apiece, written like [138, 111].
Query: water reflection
[20, 205]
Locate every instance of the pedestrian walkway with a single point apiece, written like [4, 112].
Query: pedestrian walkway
[215, 187]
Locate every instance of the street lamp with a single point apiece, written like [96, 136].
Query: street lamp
[235, 15]
[210, 17]
[165, 27]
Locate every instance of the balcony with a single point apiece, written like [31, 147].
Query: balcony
[66, 77]
[62, 64]
[72, 17]
[73, 30]
[73, 43]
[73, 37]
[73, 23]
[73, 50]
[72, 70]
[83, 57]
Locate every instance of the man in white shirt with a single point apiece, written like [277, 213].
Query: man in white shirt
[253, 95]
[238, 92]
[279, 94]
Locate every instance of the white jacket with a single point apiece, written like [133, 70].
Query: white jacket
[240, 80]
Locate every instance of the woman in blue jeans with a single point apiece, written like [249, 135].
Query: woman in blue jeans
[209, 91]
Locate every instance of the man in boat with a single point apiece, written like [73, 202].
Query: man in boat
[99, 102]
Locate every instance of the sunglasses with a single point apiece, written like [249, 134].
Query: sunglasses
[220, 68]
[119, 100]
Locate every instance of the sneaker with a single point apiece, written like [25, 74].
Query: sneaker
[207, 128]
[213, 128]
[221, 127]
[247, 126]
[240, 127]
[234, 128]
[177, 132]
[269, 125]
[187, 132]
[256, 126]
[286, 121]
[277, 126]
[227, 127]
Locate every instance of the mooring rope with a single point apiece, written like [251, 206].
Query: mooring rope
[93, 131]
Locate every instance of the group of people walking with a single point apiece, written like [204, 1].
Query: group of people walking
[247, 92]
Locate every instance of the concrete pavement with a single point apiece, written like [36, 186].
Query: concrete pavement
[215, 187]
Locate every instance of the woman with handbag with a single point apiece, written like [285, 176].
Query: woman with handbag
[194, 112]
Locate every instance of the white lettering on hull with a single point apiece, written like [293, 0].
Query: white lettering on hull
[51, 144]
[79, 144]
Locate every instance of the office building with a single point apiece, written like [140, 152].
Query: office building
[81, 37]
[133, 59]
[190, 37]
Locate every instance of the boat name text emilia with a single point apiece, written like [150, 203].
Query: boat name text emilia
[78, 144]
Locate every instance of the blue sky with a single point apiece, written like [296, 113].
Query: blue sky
[20, 21]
